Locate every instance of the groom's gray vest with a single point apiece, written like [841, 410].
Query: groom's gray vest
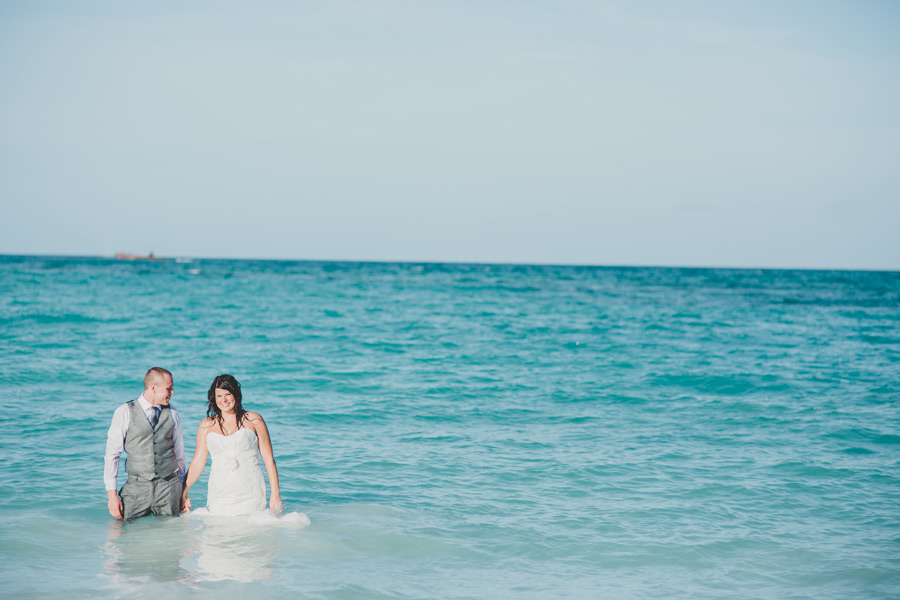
[151, 450]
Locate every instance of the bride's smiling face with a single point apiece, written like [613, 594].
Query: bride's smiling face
[224, 400]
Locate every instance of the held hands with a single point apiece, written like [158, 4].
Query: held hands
[185, 502]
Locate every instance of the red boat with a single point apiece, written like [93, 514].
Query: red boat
[124, 256]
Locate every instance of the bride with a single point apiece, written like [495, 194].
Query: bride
[235, 438]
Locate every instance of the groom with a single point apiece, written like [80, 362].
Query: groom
[149, 431]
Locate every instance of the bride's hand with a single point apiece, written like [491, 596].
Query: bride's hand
[185, 503]
[275, 505]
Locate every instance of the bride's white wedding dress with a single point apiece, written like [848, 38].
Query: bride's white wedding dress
[236, 483]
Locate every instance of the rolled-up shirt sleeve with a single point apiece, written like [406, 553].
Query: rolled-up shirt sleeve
[115, 445]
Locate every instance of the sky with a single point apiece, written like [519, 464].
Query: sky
[689, 133]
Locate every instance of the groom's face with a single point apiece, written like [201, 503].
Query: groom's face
[162, 390]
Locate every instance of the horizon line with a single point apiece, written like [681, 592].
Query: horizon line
[456, 262]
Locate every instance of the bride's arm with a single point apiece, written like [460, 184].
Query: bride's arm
[265, 450]
[198, 463]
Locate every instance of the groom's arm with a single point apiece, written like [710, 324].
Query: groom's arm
[115, 444]
[178, 439]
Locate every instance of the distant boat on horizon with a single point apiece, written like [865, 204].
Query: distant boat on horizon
[126, 256]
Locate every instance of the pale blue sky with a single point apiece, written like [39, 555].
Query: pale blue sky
[760, 134]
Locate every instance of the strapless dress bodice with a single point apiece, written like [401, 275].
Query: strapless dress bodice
[230, 451]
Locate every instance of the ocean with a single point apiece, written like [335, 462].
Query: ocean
[466, 431]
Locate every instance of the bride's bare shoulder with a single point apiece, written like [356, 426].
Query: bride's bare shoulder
[207, 423]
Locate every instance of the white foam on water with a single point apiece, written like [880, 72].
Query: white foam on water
[264, 517]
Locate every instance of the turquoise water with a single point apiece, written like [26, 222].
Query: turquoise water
[467, 431]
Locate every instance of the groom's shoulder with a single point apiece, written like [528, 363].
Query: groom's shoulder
[125, 406]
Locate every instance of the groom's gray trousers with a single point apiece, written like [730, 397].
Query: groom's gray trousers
[140, 497]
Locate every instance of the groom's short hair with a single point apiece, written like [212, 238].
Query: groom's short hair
[155, 375]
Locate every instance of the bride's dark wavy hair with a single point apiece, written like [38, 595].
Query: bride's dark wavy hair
[230, 384]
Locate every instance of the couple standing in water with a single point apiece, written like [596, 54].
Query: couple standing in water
[149, 431]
